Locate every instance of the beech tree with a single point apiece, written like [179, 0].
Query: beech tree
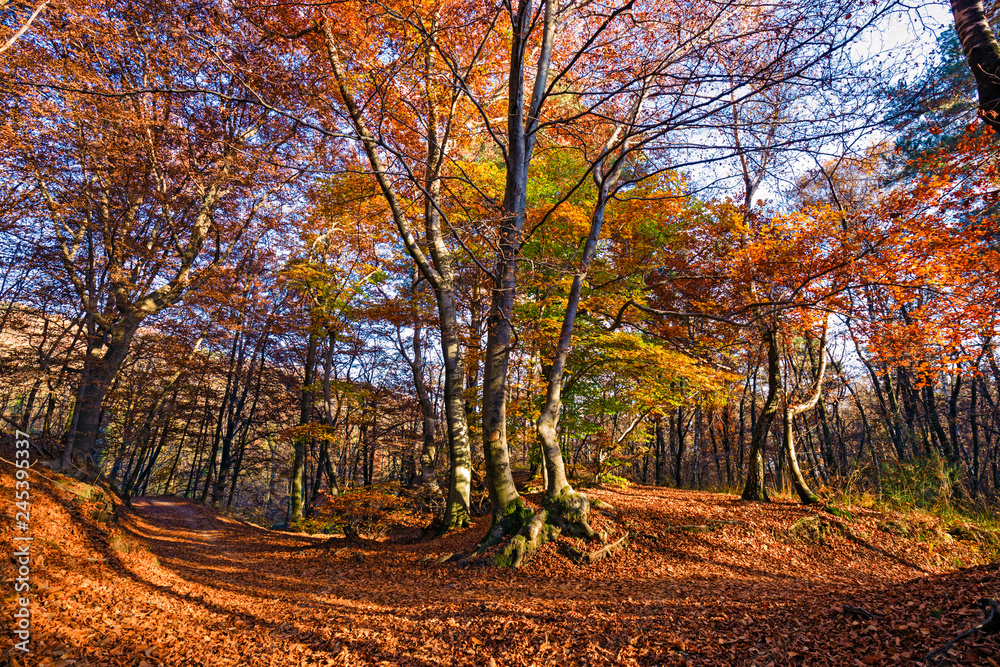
[141, 192]
[417, 144]
[982, 52]
[559, 87]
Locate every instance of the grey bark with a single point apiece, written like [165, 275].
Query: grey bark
[755, 488]
[982, 52]
[791, 411]
[438, 269]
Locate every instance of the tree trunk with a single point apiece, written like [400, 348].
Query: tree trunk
[679, 454]
[428, 449]
[522, 123]
[798, 481]
[791, 411]
[548, 420]
[440, 274]
[460, 456]
[974, 423]
[755, 488]
[295, 491]
[499, 481]
[661, 447]
[192, 483]
[982, 54]
[92, 394]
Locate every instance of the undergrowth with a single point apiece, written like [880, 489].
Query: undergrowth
[928, 485]
[370, 512]
[924, 500]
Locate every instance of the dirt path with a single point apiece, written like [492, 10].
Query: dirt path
[199, 589]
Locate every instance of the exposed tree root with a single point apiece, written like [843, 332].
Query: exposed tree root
[604, 507]
[566, 513]
[507, 521]
[989, 626]
[570, 511]
[525, 544]
[589, 558]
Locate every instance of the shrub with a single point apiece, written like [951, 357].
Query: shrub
[369, 511]
[611, 479]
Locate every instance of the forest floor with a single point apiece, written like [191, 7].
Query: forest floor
[173, 583]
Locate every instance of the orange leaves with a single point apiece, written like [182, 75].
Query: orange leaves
[738, 259]
[936, 262]
[369, 512]
[204, 589]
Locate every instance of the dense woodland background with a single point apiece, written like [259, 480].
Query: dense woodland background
[256, 256]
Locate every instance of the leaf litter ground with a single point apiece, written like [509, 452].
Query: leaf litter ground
[174, 583]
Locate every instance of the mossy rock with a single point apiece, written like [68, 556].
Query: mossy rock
[838, 512]
[120, 544]
[895, 528]
[811, 530]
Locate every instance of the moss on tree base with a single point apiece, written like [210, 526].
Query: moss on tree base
[566, 512]
[457, 521]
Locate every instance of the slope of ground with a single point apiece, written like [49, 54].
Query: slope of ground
[172, 583]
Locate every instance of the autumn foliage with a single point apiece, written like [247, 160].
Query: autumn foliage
[467, 288]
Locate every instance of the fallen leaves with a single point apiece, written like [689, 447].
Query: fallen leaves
[200, 589]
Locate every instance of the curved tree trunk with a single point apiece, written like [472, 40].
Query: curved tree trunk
[982, 52]
[548, 421]
[798, 480]
[438, 268]
[791, 411]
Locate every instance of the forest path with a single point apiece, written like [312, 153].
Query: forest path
[176, 517]
[198, 588]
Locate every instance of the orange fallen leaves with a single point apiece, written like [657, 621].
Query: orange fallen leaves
[203, 589]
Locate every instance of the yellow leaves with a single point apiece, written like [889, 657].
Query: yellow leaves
[576, 219]
[311, 432]
[662, 376]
